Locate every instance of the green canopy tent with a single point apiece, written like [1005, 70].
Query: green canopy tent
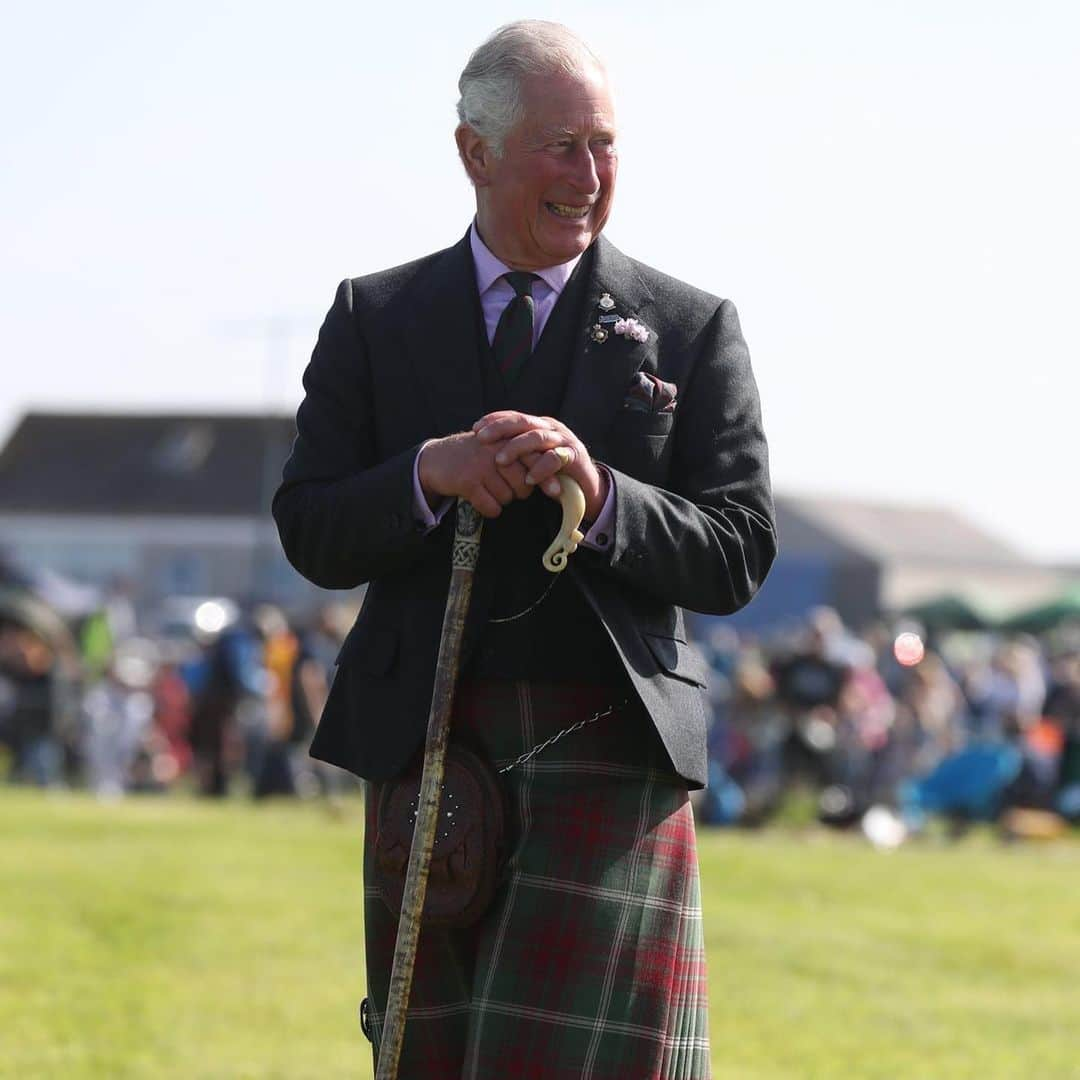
[947, 612]
[1048, 615]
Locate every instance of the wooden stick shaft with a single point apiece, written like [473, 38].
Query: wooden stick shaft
[466, 552]
[463, 563]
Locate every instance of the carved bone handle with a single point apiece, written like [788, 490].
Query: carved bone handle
[569, 536]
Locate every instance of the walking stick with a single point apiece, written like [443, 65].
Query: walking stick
[466, 551]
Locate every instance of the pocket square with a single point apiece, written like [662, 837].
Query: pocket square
[647, 393]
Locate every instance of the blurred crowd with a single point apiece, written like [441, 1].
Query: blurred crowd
[225, 700]
[891, 726]
[885, 729]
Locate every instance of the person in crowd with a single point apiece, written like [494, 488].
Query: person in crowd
[1062, 706]
[312, 675]
[229, 721]
[809, 681]
[118, 727]
[31, 687]
[855, 763]
[172, 717]
[931, 718]
[747, 749]
[271, 729]
[1006, 693]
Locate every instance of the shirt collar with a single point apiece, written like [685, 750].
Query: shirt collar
[489, 268]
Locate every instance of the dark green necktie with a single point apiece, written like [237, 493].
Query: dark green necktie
[514, 334]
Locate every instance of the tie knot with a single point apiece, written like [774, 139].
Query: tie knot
[521, 281]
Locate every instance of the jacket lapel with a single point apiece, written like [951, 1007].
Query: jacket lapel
[442, 334]
[601, 371]
[442, 338]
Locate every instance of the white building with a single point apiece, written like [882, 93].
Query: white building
[171, 504]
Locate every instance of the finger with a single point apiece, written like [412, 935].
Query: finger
[568, 437]
[572, 450]
[502, 416]
[506, 428]
[484, 503]
[514, 475]
[556, 424]
[552, 423]
[490, 417]
[509, 425]
[529, 442]
[499, 488]
[549, 463]
[544, 469]
[530, 461]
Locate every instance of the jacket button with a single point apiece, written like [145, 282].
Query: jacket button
[602, 539]
[395, 521]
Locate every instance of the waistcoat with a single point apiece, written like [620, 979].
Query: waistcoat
[527, 622]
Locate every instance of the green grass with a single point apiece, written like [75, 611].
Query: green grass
[161, 939]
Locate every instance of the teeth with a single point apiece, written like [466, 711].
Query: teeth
[569, 211]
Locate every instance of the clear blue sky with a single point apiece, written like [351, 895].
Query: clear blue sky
[887, 190]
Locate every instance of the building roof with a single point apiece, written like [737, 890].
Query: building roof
[230, 464]
[895, 533]
[110, 463]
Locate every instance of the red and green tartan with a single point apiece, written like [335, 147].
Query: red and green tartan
[590, 962]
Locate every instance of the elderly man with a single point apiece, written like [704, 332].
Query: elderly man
[532, 348]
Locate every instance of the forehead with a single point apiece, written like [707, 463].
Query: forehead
[560, 102]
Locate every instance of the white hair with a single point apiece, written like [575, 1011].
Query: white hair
[490, 85]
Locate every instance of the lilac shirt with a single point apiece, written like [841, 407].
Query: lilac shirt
[495, 293]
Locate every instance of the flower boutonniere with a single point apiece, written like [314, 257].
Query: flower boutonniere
[609, 321]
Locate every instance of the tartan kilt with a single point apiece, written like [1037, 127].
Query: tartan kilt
[590, 962]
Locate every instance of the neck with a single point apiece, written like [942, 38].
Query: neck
[491, 242]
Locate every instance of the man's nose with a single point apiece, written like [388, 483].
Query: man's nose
[585, 177]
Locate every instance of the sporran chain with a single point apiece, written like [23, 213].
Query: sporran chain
[532, 607]
[530, 754]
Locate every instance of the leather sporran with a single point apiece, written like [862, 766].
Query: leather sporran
[470, 840]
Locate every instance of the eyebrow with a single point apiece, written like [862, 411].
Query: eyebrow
[569, 133]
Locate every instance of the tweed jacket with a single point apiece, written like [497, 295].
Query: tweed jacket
[398, 361]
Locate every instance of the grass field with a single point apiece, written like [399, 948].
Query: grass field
[169, 938]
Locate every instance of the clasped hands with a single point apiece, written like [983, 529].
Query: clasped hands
[506, 456]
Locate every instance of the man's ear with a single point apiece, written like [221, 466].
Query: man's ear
[475, 155]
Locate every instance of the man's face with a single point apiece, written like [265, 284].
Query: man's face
[549, 195]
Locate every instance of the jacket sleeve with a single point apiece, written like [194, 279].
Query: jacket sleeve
[706, 539]
[344, 516]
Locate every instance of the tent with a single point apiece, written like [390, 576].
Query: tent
[947, 612]
[1048, 615]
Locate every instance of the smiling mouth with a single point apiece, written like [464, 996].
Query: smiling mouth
[573, 213]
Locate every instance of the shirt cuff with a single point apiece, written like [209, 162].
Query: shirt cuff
[426, 518]
[601, 533]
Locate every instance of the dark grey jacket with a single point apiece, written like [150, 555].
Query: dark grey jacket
[397, 362]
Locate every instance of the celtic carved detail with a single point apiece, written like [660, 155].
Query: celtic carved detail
[468, 519]
[466, 553]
